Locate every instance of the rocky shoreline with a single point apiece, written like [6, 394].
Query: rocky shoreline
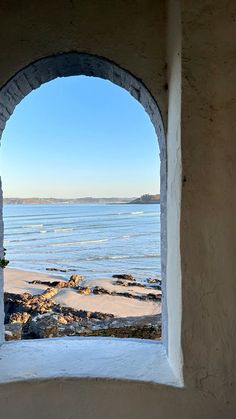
[44, 314]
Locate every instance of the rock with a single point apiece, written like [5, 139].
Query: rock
[101, 316]
[57, 284]
[14, 303]
[38, 316]
[75, 280]
[75, 314]
[52, 325]
[100, 290]
[143, 297]
[156, 283]
[84, 290]
[125, 294]
[13, 331]
[124, 276]
[152, 280]
[44, 326]
[144, 327]
[127, 283]
[63, 320]
[49, 293]
[19, 317]
[154, 297]
[72, 283]
[39, 304]
[19, 303]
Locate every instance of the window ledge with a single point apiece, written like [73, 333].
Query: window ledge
[76, 357]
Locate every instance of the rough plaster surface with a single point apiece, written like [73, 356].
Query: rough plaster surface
[128, 32]
[131, 33]
[85, 357]
[208, 227]
[1, 270]
[174, 308]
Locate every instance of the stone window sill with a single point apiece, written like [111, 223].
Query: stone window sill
[76, 357]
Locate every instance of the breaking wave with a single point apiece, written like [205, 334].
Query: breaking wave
[97, 238]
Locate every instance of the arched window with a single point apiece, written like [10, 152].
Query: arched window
[83, 64]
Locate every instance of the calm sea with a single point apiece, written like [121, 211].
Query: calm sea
[95, 240]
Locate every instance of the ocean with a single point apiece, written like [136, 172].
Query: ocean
[92, 240]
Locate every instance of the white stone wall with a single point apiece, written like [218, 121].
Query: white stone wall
[133, 35]
[1, 270]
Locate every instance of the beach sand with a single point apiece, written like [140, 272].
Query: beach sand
[18, 281]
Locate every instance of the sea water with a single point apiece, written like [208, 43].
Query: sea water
[93, 240]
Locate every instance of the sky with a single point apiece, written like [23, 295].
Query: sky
[79, 136]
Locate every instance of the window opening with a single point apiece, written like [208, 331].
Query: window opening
[54, 306]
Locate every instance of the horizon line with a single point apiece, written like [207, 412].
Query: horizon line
[78, 197]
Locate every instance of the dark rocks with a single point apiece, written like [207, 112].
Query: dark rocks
[15, 303]
[28, 316]
[100, 290]
[129, 277]
[52, 325]
[127, 283]
[75, 280]
[84, 290]
[72, 283]
[60, 270]
[143, 297]
[49, 293]
[58, 284]
[153, 280]
[13, 331]
[142, 327]
[19, 317]
[155, 283]
[43, 326]
[38, 316]
[56, 270]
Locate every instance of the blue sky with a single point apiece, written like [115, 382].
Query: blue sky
[79, 136]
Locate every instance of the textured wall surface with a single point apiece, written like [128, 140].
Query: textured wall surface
[133, 35]
[208, 227]
[130, 33]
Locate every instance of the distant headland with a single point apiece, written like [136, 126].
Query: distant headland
[85, 200]
[147, 199]
[144, 199]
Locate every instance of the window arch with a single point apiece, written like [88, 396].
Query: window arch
[74, 64]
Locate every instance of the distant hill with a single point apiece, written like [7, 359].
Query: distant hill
[147, 199]
[86, 200]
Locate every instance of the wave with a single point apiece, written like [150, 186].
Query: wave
[71, 240]
[35, 239]
[57, 230]
[112, 257]
[77, 243]
[90, 258]
[33, 226]
[129, 213]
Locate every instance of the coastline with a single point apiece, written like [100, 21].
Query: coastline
[17, 281]
[42, 305]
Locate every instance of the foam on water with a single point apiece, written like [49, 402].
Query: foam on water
[93, 239]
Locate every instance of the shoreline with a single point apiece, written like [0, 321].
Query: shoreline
[17, 281]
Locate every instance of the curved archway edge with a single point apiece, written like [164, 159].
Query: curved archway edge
[75, 64]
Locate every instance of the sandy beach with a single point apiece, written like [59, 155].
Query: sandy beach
[19, 281]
